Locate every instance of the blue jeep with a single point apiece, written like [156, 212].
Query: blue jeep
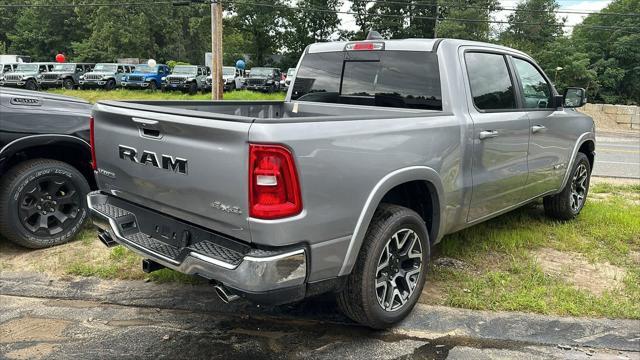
[146, 77]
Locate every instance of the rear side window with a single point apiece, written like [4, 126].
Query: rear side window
[491, 84]
[403, 79]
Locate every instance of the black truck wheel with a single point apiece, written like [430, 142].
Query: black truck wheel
[68, 84]
[390, 271]
[42, 203]
[153, 86]
[568, 203]
[111, 84]
[193, 88]
[31, 85]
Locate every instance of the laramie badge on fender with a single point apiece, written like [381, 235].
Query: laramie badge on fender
[167, 162]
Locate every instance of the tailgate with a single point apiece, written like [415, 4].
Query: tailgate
[191, 168]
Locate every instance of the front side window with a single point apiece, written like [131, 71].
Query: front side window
[491, 85]
[535, 90]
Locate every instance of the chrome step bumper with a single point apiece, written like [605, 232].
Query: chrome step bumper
[202, 253]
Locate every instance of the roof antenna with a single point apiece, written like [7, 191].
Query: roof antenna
[373, 35]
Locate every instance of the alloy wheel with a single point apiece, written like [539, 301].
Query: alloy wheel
[49, 205]
[398, 269]
[579, 187]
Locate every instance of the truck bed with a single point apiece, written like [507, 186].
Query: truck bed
[268, 111]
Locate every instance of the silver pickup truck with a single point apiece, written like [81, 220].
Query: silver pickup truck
[379, 150]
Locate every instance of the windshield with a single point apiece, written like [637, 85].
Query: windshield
[405, 79]
[186, 70]
[228, 71]
[260, 72]
[105, 67]
[64, 67]
[147, 69]
[27, 68]
[291, 72]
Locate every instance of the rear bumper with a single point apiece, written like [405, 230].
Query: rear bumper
[268, 276]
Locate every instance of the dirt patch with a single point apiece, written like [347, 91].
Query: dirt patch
[38, 351]
[433, 293]
[577, 270]
[32, 329]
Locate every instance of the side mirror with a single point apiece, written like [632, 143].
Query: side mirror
[574, 97]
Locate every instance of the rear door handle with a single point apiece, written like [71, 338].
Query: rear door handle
[538, 128]
[488, 134]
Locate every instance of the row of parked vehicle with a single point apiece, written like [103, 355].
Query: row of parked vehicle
[109, 76]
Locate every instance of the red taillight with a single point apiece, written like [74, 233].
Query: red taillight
[274, 190]
[92, 142]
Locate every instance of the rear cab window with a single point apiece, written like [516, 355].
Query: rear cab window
[401, 79]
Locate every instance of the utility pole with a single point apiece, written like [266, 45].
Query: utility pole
[216, 50]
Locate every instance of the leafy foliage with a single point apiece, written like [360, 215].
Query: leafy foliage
[605, 61]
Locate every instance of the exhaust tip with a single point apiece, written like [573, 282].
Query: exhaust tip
[106, 239]
[225, 295]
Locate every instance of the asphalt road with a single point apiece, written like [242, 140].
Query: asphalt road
[44, 318]
[617, 156]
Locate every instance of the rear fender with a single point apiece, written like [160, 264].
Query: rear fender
[391, 180]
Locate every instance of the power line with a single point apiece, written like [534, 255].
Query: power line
[179, 2]
[312, 9]
[498, 8]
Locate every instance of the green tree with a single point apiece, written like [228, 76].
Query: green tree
[263, 24]
[533, 26]
[478, 28]
[396, 19]
[576, 65]
[42, 32]
[614, 52]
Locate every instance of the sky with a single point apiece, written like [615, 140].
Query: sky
[348, 21]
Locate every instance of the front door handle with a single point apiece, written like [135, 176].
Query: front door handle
[538, 128]
[488, 134]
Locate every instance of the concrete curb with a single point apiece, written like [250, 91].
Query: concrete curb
[426, 322]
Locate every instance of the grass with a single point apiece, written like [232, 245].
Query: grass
[120, 94]
[503, 271]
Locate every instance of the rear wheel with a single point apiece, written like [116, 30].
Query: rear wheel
[568, 203]
[42, 203]
[31, 85]
[69, 84]
[390, 271]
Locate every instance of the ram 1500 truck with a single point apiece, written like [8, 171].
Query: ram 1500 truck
[379, 149]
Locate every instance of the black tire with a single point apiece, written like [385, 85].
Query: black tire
[568, 203]
[110, 85]
[29, 190]
[233, 86]
[360, 299]
[31, 85]
[193, 88]
[68, 84]
[153, 86]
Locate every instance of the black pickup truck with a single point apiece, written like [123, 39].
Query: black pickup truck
[45, 166]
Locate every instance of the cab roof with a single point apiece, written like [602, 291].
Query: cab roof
[413, 44]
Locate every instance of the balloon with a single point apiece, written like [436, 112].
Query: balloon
[60, 58]
[240, 64]
[151, 63]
